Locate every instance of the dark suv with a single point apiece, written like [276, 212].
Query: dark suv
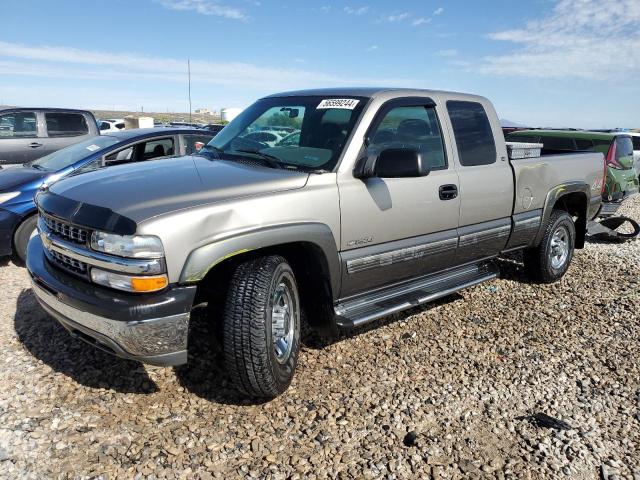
[30, 133]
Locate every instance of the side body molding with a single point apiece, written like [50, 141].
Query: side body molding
[204, 258]
[554, 195]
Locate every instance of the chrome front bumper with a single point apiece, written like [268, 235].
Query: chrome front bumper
[157, 341]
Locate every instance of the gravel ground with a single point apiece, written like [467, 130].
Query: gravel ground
[447, 391]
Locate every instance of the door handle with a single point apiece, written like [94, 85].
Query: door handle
[35, 144]
[448, 192]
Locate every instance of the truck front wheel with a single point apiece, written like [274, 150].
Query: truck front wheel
[550, 260]
[262, 326]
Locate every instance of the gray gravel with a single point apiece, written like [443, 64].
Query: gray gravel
[442, 392]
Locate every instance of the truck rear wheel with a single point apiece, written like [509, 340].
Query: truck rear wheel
[550, 260]
[262, 326]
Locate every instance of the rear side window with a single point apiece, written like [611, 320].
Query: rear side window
[414, 127]
[66, 124]
[472, 130]
[624, 147]
[558, 143]
[195, 143]
[636, 143]
[522, 138]
[584, 144]
[18, 125]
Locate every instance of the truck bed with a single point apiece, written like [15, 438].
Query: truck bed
[534, 176]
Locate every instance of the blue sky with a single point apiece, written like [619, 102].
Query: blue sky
[542, 62]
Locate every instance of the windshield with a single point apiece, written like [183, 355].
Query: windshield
[290, 132]
[68, 156]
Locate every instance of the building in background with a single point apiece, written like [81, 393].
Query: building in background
[228, 114]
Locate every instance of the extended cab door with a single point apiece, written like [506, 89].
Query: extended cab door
[486, 179]
[394, 229]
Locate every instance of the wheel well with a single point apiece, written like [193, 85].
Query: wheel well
[575, 204]
[311, 270]
[19, 224]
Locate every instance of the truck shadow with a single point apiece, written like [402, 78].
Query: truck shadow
[50, 343]
[205, 374]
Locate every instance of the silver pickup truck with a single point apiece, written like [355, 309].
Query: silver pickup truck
[344, 204]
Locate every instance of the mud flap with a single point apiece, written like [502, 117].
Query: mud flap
[606, 229]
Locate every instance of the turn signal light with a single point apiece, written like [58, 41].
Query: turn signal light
[149, 284]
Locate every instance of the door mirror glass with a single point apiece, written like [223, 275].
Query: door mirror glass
[400, 162]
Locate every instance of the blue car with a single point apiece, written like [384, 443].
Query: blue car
[18, 185]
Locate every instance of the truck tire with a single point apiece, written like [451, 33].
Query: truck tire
[550, 260]
[21, 238]
[261, 337]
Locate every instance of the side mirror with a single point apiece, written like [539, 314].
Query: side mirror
[400, 162]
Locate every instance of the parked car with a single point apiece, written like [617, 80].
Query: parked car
[391, 199]
[213, 127]
[635, 139]
[622, 179]
[18, 185]
[30, 133]
[111, 125]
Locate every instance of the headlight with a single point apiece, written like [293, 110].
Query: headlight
[129, 283]
[131, 246]
[5, 197]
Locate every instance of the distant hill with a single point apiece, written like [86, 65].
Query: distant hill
[508, 123]
[159, 116]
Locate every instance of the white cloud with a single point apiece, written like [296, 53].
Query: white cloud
[449, 52]
[591, 39]
[372, 48]
[64, 62]
[420, 21]
[438, 11]
[356, 11]
[396, 17]
[206, 7]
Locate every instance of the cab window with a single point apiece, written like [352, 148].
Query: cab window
[412, 127]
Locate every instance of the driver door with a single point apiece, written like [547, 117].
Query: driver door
[395, 229]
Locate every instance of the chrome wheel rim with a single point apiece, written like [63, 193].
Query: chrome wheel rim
[559, 251]
[284, 315]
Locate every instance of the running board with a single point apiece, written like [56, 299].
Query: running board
[366, 308]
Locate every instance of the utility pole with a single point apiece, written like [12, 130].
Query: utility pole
[189, 73]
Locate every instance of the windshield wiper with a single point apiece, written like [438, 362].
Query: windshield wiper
[270, 160]
[37, 167]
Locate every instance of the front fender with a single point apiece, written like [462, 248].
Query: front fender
[201, 260]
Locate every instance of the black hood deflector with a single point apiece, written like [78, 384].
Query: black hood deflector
[85, 214]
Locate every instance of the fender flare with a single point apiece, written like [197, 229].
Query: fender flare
[554, 195]
[201, 260]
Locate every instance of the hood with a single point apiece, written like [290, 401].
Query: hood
[15, 177]
[143, 190]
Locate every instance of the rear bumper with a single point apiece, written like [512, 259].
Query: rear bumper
[8, 223]
[147, 328]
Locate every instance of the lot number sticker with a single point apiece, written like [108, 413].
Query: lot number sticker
[344, 103]
[93, 148]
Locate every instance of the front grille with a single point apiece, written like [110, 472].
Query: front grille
[68, 263]
[66, 231]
